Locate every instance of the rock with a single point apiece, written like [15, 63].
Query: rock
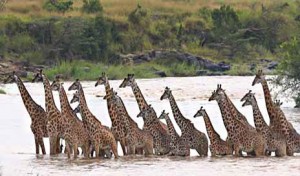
[272, 65]
[161, 73]
[22, 73]
[201, 72]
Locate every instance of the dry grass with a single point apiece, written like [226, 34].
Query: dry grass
[119, 9]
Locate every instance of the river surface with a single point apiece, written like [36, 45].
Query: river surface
[17, 149]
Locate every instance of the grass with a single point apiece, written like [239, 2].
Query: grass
[90, 71]
[2, 91]
[119, 10]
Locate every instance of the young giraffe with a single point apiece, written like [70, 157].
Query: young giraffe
[217, 145]
[275, 142]
[178, 145]
[100, 136]
[278, 121]
[36, 112]
[135, 138]
[152, 124]
[54, 119]
[196, 139]
[130, 81]
[144, 139]
[103, 153]
[242, 137]
[117, 127]
[75, 134]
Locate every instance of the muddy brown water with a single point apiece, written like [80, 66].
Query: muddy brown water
[17, 152]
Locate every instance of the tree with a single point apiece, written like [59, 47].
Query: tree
[289, 72]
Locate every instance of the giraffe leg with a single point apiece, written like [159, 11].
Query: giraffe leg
[123, 145]
[41, 142]
[52, 145]
[68, 149]
[37, 149]
[75, 150]
[57, 146]
[114, 149]
[97, 149]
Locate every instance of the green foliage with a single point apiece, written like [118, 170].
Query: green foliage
[289, 72]
[59, 6]
[91, 6]
[225, 20]
[2, 91]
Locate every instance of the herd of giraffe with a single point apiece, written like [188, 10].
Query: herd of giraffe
[97, 140]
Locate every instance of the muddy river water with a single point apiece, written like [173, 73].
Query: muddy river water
[17, 151]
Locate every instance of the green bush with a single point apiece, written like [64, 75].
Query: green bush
[59, 6]
[2, 91]
[91, 6]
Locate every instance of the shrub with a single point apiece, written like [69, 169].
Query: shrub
[91, 6]
[59, 6]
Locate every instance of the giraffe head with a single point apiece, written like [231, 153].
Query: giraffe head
[102, 79]
[12, 78]
[200, 112]
[56, 84]
[163, 115]
[75, 86]
[38, 77]
[128, 81]
[76, 110]
[166, 94]
[248, 99]
[146, 112]
[217, 94]
[259, 77]
[75, 97]
[278, 103]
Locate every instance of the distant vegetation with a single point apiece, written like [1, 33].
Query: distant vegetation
[2, 91]
[56, 32]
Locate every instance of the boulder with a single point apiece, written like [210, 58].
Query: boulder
[161, 73]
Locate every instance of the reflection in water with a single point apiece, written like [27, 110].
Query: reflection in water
[17, 145]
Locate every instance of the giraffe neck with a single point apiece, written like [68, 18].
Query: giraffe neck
[179, 118]
[269, 102]
[171, 129]
[112, 110]
[212, 134]
[107, 87]
[87, 117]
[236, 113]
[50, 104]
[139, 96]
[27, 99]
[122, 110]
[226, 116]
[259, 121]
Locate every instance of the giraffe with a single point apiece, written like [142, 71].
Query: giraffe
[100, 136]
[144, 140]
[36, 112]
[103, 153]
[177, 144]
[135, 138]
[117, 127]
[278, 121]
[217, 145]
[275, 142]
[75, 134]
[54, 119]
[130, 81]
[242, 137]
[196, 139]
[152, 125]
